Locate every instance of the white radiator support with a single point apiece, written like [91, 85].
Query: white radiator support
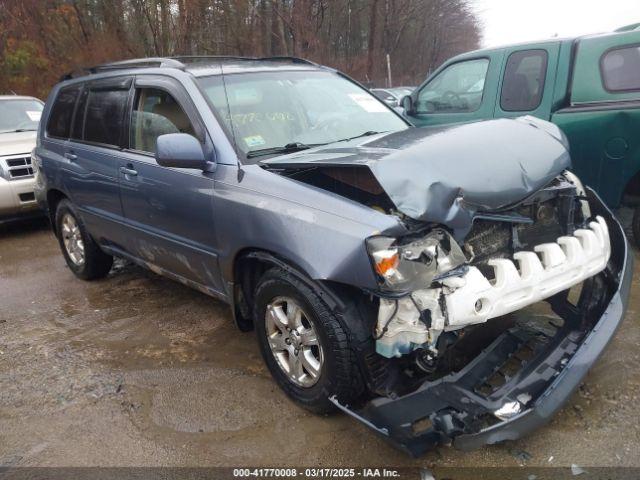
[472, 298]
[554, 268]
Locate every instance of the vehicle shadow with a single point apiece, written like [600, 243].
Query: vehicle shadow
[24, 226]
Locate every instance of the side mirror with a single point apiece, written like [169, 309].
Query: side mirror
[181, 150]
[407, 105]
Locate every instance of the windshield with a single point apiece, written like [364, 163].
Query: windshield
[273, 110]
[19, 115]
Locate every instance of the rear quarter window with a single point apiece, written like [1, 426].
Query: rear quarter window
[59, 123]
[620, 69]
[523, 84]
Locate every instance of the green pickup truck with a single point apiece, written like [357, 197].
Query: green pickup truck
[589, 86]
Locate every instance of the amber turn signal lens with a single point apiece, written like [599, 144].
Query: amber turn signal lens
[384, 264]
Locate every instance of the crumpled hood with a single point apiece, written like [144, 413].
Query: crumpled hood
[15, 143]
[446, 174]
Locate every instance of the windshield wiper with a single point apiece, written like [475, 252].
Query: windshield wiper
[288, 148]
[18, 130]
[368, 133]
[297, 146]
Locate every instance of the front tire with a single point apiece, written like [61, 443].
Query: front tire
[303, 343]
[83, 256]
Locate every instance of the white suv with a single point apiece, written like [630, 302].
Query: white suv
[19, 118]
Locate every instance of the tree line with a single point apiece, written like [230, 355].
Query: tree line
[42, 39]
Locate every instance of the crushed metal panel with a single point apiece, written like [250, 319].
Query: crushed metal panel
[445, 175]
[484, 166]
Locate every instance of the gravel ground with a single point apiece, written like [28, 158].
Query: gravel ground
[136, 370]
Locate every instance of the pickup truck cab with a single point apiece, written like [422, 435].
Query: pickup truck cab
[588, 86]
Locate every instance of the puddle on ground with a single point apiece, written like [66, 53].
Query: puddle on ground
[157, 373]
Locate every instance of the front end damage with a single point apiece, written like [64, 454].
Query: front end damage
[509, 280]
[482, 374]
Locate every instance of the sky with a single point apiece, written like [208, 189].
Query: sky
[515, 21]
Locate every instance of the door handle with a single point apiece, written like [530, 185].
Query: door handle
[70, 156]
[129, 170]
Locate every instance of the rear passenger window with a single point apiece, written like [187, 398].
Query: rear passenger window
[156, 113]
[104, 116]
[523, 83]
[59, 122]
[621, 69]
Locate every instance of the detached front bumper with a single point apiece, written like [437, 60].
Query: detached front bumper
[461, 408]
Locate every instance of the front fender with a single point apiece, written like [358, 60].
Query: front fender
[318, 231]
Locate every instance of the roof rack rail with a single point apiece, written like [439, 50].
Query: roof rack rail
[122, 64]
[204, 58]
[175, 62]
[279, 58]
[139, 63]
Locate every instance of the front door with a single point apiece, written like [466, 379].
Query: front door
[462, 91]
[168, 211]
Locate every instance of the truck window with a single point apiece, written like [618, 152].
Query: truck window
[523, 83]
[620, 69]
[104, 116]
[59, 122]
[156, 113]
[457, 89]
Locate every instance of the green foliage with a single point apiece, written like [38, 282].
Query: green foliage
[22, 57]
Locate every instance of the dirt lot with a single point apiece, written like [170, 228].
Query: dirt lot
[137, 370]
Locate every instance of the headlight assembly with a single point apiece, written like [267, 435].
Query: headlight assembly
[405, 265]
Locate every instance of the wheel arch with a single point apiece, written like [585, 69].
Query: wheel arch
[54, 197]
[248, 267]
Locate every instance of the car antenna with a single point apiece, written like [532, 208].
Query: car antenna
[233, 131]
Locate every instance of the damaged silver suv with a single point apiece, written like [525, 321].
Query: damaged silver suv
[383, 267]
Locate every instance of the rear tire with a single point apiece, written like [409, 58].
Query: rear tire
[83, 256]
[283, 343]
[636, 227]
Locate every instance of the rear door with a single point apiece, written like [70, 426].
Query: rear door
[92, 155]
[168, 211]
[527, 81]
[54, 143]
[603, 117]
[461, 91]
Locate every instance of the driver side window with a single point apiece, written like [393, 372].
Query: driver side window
[457, 89]
[156, 113]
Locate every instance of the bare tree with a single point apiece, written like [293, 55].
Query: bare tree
[41, 39]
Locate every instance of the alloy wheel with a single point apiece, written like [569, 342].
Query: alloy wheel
[293, 341]
[72, 239]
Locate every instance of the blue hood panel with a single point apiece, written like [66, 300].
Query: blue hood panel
[445, 175]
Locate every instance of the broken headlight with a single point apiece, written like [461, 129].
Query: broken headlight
[406, 265]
